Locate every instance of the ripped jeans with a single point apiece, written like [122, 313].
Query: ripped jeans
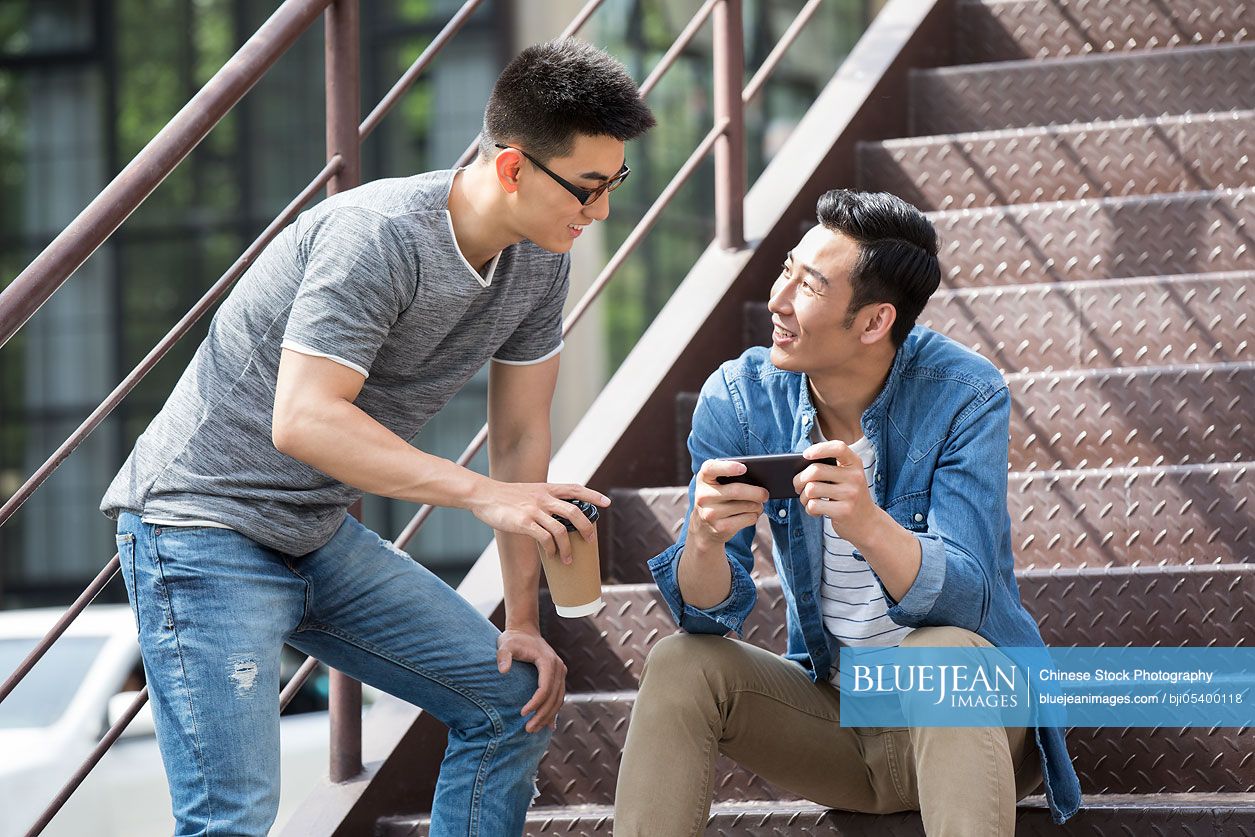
[214, 609]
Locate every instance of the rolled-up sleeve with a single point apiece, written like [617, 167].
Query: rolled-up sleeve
[718, 431]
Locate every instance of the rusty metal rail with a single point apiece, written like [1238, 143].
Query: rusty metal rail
[187, 129]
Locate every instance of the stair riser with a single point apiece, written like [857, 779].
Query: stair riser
[1005, 31]
[1205, 232]
[1145, 157]
[581, 766]
[1088, 89]
[1088, 325]
[1144, 606]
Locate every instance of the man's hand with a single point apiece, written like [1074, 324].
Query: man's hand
[720, 511]
[551, 690]
[527, 508]
[838, 491]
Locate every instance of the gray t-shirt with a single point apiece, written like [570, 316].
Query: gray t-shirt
[373, 279]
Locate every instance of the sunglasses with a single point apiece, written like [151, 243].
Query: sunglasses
[584, 196]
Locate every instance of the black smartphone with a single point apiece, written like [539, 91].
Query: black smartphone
[774, 472]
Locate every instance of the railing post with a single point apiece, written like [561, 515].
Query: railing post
[730, 175]
[344, 110]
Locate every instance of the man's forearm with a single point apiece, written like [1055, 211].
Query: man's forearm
[345, 443]
[524, 461]
[704, 576]
[892, 552]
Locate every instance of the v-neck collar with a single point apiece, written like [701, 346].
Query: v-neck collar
[483, 280]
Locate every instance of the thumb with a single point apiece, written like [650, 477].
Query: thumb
[504, 658]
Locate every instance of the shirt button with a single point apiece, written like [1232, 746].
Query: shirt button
[878, 477]
[806, 597]
[782, 513]
[918, 517]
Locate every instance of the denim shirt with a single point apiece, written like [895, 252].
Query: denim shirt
[940, 427]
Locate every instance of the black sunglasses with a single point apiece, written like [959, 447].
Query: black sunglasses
[584, 196]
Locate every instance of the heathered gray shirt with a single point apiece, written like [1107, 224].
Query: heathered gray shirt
[373, 279]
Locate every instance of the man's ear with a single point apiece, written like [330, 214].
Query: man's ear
[508, 163]
[883, 318]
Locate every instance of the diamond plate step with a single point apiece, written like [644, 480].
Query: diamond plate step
[1117, 606]
[1113, 418]
[1090, 324]
[581, 765]
[1180, 514]
[1134, 815]
[1092, 88]
[1064, 162]
[1107, 238]
[1001, 30]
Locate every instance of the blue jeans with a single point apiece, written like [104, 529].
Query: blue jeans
[214, 609]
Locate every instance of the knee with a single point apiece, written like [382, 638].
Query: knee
[685, 665]
[944, 636]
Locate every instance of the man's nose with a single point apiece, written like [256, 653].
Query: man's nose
[779, 299]
[599, 209]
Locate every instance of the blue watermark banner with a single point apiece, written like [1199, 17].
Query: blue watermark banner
[1051, 687]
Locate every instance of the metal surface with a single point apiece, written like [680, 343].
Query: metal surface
[342, 73]
[1181, 514]
[1065, 162]
[34, 285]
[730, 173]
[1086, 325]
[1088, 89]
[997, 30]
[1154, 415]
[1122, 815]
[1110, 238]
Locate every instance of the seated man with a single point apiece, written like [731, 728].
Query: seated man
[906, 541]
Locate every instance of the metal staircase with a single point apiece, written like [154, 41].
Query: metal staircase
[1087, 165]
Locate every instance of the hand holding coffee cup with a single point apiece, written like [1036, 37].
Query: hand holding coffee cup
[575, 585]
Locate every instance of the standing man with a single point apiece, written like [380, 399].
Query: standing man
[906, 541]
[352, 329]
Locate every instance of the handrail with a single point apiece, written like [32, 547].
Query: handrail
[150, 167]
[50, 269]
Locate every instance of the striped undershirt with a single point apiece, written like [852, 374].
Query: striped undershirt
[851, 600]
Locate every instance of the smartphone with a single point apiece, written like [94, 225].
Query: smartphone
[774, 472]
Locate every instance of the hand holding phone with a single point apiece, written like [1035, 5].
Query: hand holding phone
[774, 472]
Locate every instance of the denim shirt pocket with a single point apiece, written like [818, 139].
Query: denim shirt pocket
[910, 511]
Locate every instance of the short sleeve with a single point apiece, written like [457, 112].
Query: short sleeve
[356, 283]
[539, 336]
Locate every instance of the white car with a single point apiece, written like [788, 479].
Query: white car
[58, 713]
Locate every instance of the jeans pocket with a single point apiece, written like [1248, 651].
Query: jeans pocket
[126, 559]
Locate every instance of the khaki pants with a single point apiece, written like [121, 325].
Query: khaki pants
[704, 695]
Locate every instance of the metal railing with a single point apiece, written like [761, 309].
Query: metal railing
[93, 226]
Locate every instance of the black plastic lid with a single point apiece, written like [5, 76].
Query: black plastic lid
[590, 511]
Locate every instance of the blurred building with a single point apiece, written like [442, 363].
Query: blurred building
[84, 84]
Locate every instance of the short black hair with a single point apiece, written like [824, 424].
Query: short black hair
[897, 260]
[553, 91]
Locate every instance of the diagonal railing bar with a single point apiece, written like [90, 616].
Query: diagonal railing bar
[115, 203]
[681, 43]
[590, 296]
[298, 680]
[84, 599]
[67, 790]
[777, 52]
[211, 298]
[411, 75]
[576, 24]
